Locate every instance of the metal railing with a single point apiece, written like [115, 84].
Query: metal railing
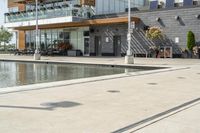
[83, 12]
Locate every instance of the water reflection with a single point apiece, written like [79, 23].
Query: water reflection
[18, 73]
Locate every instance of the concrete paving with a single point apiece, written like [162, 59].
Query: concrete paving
[187, 121]
[109, 105]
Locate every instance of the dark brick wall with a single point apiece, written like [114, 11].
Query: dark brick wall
[108, 31]
[140, 44]
[172, 27]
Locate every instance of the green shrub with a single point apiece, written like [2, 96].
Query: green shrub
[190, 40]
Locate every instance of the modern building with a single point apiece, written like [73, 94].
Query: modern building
[99, 27]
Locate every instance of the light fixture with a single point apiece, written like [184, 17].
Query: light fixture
[197, 16]
[37, 54]
[158, 19]
[177, 17]
[129, 58]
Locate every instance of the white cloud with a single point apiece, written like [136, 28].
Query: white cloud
[3, 9]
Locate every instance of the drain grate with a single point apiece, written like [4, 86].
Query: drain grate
[152, 83]
[181, 77]
[113, 91]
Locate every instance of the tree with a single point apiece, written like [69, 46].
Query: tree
[154, 33]
[5, 36]
[190, 40]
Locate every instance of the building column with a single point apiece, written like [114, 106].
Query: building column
[21, 40]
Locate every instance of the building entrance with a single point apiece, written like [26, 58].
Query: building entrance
[117, 45]
[98, 45]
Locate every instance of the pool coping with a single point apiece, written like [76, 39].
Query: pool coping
[85, 63]
[54, 84]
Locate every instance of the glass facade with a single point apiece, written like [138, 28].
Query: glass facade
[116, 6]
[50, 10]
[30, 39]
[57, 39]
[13, 9]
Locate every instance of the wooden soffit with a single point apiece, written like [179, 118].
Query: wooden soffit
[88, 2]
[84, 23]
[82, 2]
[24, 1]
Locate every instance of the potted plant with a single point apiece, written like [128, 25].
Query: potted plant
[155, 34]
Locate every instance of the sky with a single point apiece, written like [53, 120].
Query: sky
[3, 9]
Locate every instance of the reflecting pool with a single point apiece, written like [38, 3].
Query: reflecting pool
[20, 73]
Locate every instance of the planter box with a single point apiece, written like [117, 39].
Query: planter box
[74, 53]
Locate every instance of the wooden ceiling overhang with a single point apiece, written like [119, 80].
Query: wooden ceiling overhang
[84, 23]
[27, 1]
[82, 2]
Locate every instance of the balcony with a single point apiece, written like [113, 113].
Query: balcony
[49, 15]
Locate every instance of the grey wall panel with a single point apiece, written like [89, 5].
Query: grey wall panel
[169, 4]
[153, 5]
[172, 28]
[187, 2]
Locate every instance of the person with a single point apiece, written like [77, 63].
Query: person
[199, 52]
[16, 52]
[157, 53]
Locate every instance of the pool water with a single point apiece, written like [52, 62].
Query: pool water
[21, 73]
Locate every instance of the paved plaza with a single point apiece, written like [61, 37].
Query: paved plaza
[158, 102]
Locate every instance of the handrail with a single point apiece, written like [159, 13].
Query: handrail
[48, 13]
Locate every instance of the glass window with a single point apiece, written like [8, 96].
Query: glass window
[43, 40]
[30, 7]
[55, 38]
[32, 40]
[13, 9]
[48, 39]
[122, 6]
[30, 15]
[66, 36]
[60, 36]
[112, 8]
[86, 33]
[117, 6]
[106, 8]
[28, 40]
[99, 7]
[178, 1]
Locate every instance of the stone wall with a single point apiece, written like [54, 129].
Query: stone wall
[107, 31]
[171, 26]
[174, 28]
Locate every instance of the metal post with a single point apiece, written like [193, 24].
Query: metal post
[37, 52]
[129, 59]
[129, 29]
[36, 28]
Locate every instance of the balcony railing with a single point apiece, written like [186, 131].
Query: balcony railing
[47, 13]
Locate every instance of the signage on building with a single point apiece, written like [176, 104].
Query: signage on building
[133, 25]
[88, 2]
[176, 39]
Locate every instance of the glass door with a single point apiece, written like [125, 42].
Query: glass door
[86, 35]
[98, 46]
[86, 46]
[117, 45]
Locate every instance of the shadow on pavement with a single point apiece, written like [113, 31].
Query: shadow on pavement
[47, 106]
